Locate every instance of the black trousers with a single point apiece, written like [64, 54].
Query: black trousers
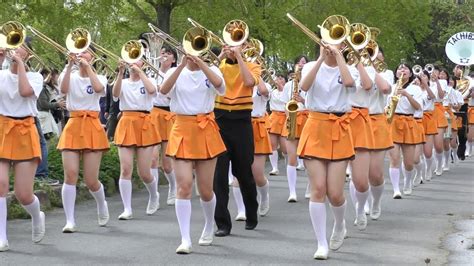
[237, 133]
[462, 133]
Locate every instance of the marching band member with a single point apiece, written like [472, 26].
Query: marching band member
[419, 162]
[449, 102]
[363, 140]
[136, 133]
[19, 142]
[382, 135]
[277, 122]
[263, 148]
[83, 136]
[233, 115]
[326, 142]
[164, 121]
[439, 87]
[458, 102]
[404, 130]
[301, 117]
[463, 150]
[469, 95]
[194, 139]
[430, 129]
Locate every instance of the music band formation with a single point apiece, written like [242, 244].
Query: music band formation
[201, 115]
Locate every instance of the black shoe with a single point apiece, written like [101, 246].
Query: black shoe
[222, 232]
[250, 226]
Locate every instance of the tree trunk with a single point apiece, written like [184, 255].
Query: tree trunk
[163, 12]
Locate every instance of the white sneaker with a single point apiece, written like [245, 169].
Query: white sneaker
[439, 171]
[307, 193]
[397, 195]
[337, 238]
[274, 172]
[292, 198]
[69, 228]
[4, 246]
[446, 168]
[241, 217]
[37, 232]
[183, 249]
[407, 190]
[103, 218]
[153, 206]
[321, 254]
[417, 180]
[361, 222]
[171, 198]
[206, 240]
[300, 167]
[375, 212]
[125, 216]
[367, 207]
[264, 207]
[429, 174]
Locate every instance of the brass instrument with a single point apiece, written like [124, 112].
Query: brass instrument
[197, 41]
[292, 106]
[235, 32]
[268, 76]
[215, 41]
[390, 109]
[305, 30]
[417, 70]
[448, 134]
[132, 52]
[429, 68]
[460, 50]
[165, 37]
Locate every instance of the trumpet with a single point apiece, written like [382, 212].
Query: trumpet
[417, 70]
[429, 68]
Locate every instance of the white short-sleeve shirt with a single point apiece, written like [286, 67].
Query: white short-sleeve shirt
[11, 102]
[134, 96]
[81, 95]
[277, 100]
[259, 102]
[404, 106]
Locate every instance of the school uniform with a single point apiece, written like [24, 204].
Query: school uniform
[161, 113]
[278, 115]
[301, 113]
[261, 138]
[438, 113]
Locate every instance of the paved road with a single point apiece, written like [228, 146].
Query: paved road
[418, 227]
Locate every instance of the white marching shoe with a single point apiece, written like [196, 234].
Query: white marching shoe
[183, 249]
[307, 193]
[292, 198]
[103, 218]
[397, 195]
[264, 207]
[274, 172]
[375, 211]
[171, 197]
[337, 238]
[69, 228]
[206, 240]
[4, 246]
[125, 216]
[37, 232]
[153, 205]
[241, 217]
[321, 253]
[361, 221]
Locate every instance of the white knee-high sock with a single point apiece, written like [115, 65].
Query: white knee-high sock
[377, 192]
[183, 213]
[231, 176]
[274, 160]
[155, 173]
[34, 210]
[429, 165]
[395, 178]
[455, 155]
[300, 162]
[338, 213]
[171, 177]
[468, 147]
[263, 191]
[419, 168]
[446, 157]
[152, 189]
[361, 200]
[125, 187]
[423, 167]
[352, 193]
[208, 208]
[99, 197]
[3, 219]
[239, 201]
[439, 160]
[407, 181]
[68, 193]
[291, 174]
[317, 212]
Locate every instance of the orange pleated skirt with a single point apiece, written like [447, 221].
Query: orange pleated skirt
[421, 137]
[277, 122]
[136, 129]
[438, 113]
[195, 138]
[164, 121]
[19, 139]
[326, 137]
[261, 138]
[382, 132]
[458, 122]
[429, 123]
[83, 131]
[404, 129]
[470, 115]
[301, 118]
[361, 127]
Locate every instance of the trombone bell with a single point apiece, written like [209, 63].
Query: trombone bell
[335, 29]
[12, 35]
[132, 51]
[78, 40]
[235, 32]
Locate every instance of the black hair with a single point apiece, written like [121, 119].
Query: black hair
[410, 79]
[168, 49]
[448, 78]
[298, 58]
[280, 74]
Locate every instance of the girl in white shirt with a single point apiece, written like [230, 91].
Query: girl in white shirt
[277, 122]
[83, 136]
[326, 142]
[19, 142]
[194, 140]
[164, 121]
[439, 87]
[136, 133]
[404, 130]
[449, 103]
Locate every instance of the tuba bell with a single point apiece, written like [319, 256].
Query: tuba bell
[460, 48]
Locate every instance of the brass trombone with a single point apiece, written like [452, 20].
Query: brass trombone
[167, 39]
[235, 32]
[305, 30]
[132, 52]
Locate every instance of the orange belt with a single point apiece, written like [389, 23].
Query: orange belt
[339, 128]
[23, 124]
[279, 113]
[145, 116]
[203, 120]
[428, 114]
[300, 116]
[260, 122]
[84, 115]
[406, 120]
[364, 112]
[374, 118]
